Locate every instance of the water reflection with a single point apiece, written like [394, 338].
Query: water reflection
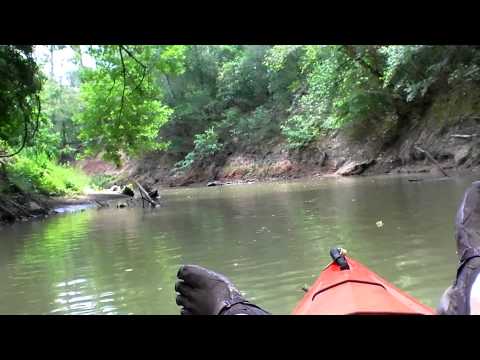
[270, 239]
[76, 298]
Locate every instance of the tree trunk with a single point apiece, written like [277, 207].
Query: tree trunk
[144, 192]
[169, 86]
[200, 72]
[52, 49]
[431, 158]
[78, 50]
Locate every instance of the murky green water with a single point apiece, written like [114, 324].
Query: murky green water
[270, 239]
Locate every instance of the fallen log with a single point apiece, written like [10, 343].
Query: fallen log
[215, 183]
[154, 194]
[21, 208]
[460, 136]
[431, 158]
[6, 210]
[143, 192]
[99, 203]
[354, 167]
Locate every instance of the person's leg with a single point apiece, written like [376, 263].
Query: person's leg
[463, 297]
[204, 292]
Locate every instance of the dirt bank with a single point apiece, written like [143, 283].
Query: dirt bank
[447, 129]
[22, 206]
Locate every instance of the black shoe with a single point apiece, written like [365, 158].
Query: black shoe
[204, 292]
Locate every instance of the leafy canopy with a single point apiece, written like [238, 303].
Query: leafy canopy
[122, 108]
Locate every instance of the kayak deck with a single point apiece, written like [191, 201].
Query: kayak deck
[356, 290]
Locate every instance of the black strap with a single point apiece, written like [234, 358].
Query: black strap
[244, 302]
[468, 254]
[463, 263]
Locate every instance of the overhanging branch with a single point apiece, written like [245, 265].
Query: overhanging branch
[124, 81]
[132, 56]
[37, 122]
[144, 67]
[25, 129]
[25, 136]
[358, 58]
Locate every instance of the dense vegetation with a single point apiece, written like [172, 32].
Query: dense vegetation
[201, 100]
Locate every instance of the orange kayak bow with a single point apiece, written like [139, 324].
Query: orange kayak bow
[346, 287]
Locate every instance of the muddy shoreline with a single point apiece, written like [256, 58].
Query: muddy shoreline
[445, 129]
[25, 207]
[49, 206]
[441, 137]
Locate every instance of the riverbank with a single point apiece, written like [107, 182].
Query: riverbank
[25, 206]
[442, 135]
[334, 155]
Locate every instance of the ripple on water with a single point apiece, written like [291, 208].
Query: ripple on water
[76, 264]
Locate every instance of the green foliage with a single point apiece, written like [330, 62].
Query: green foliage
[122, 105]
[48, 138]
[195, 101]
[466, 72]
[404, 73]
[36, 171]
[102, 181]
[411, 71]
[58, 134]
[243, 81]
[345, 91]
[216, 79]
[206, 145]
[300, 130]
[253, 127]
[343, 86]
[229, 88]
[277, 56]
[20, 82]
[171, 59]
[4, 147]
[285, 72]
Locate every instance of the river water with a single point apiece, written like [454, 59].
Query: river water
[270, 239]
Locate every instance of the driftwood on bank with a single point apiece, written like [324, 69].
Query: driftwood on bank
[461, 136]
[143, 193]
[14, 209]
[353, 167]
[99, 203]
[215, 183]
[21, 208]
[6, 210]
[431, 158]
